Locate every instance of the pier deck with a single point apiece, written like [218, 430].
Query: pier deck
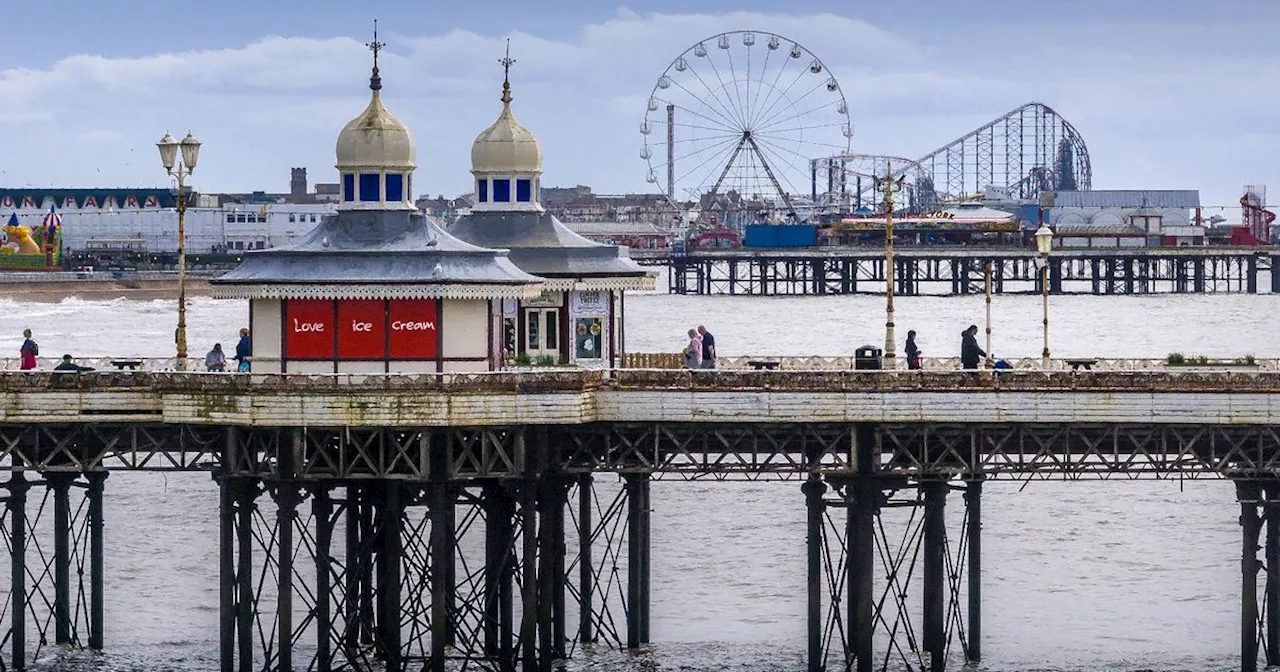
[351, 505]
[929, 270]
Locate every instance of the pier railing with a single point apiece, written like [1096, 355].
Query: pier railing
[583, 380]
[674, 360]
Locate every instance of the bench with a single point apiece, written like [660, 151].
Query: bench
[122, 364]
[1077, 364]
[763, 364]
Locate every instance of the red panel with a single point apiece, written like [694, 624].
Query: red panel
[362, 329]
[308, 328]
[413, 328]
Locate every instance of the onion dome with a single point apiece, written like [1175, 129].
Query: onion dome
[506, 147]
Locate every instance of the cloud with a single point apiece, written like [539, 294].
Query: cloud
[279, 101]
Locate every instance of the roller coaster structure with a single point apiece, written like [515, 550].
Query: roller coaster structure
[1026, 151]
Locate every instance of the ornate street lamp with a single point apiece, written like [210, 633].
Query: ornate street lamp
[1044, 245]
[169, 159]
[887, 184]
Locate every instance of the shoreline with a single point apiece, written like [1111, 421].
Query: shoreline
[52, 287]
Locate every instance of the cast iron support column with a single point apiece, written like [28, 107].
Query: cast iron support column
[96, 565]
[861, 541]
[451, 567]
[322, 511]
[529, 570]
[18, 568]
[1272, 546]
[973, 502]
[507, 580]
[645, 557]
[935, 573]
[635, 558]
[286, 511]
[97, 599]
[351, 580]
[389, 576]
[247, 492]
[227, 557]
[586, 564]
[61, 484]
[813, 489]
[1248, 493]
[494, 549]
[441, 554]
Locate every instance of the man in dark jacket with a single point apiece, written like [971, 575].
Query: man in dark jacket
[970, 353]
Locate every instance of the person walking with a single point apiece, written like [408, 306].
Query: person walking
[216, 360]
[708, 348]
[913, 351]
[693, 351]
[244, 351]
[970, 353]
[29, 351]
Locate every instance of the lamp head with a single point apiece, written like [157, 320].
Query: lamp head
[1044, 239]
[190, 151]
[168, 152]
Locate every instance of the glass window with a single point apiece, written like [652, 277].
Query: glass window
[395, 187]
[482, 191]
[348, 187]
[293, 218]
[313, 219]
[370, 187]
[231, 219]
[553, 330]
[502, 191]
[533, 331]
[241, 219]
[524, 189]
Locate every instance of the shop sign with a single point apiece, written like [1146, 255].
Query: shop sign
[413, 325]
[308, 328]
[362, 325]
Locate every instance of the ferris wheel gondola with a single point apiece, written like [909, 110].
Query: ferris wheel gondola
[733, 122]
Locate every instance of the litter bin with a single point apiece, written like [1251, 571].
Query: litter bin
[868, 358]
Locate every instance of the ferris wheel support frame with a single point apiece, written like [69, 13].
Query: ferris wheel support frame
[747, 139]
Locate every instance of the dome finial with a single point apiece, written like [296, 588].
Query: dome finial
[506, 62]
[375, 82]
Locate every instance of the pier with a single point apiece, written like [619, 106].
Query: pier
[420, 521]
[917, 271]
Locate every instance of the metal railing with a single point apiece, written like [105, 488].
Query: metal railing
[675, 360]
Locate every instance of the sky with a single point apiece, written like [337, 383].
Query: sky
[1167, 94]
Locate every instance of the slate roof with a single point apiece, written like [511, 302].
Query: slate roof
[1127, 198]
[378, 247]
[541, 245]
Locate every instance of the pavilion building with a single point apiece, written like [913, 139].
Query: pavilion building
[578, 317]
[377, 287]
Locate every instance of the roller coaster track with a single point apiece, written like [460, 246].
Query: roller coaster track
[1028, 150]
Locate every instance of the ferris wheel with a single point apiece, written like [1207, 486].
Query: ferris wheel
[733, 123]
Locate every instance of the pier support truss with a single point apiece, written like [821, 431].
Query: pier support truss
[511, 573]
[53, 532]
[781, 273]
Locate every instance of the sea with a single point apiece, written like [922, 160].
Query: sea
[1082, 575]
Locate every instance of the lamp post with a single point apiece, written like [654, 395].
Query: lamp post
[1044, 244]
[888, 184]
[180, 170]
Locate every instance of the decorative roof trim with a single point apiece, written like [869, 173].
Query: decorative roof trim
[473, 291]
[642, 283]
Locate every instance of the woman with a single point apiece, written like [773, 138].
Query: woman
[216, 360]
[30, 350]
[693, 351]
[913, 351]
[244, 351]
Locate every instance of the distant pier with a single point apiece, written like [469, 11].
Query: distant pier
[920, 271]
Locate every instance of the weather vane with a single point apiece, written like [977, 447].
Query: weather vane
[375, 82]
[506, 62]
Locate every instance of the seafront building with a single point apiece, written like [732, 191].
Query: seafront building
[578, 316]
[376, 287]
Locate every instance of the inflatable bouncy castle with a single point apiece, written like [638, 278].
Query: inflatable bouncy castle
[23, 248]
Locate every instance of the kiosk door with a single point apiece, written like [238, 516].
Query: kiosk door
[542, 332]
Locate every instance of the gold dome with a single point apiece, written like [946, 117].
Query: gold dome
[506, 147]
[376, 140]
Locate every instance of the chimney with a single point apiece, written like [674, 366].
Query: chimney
[298, 182]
